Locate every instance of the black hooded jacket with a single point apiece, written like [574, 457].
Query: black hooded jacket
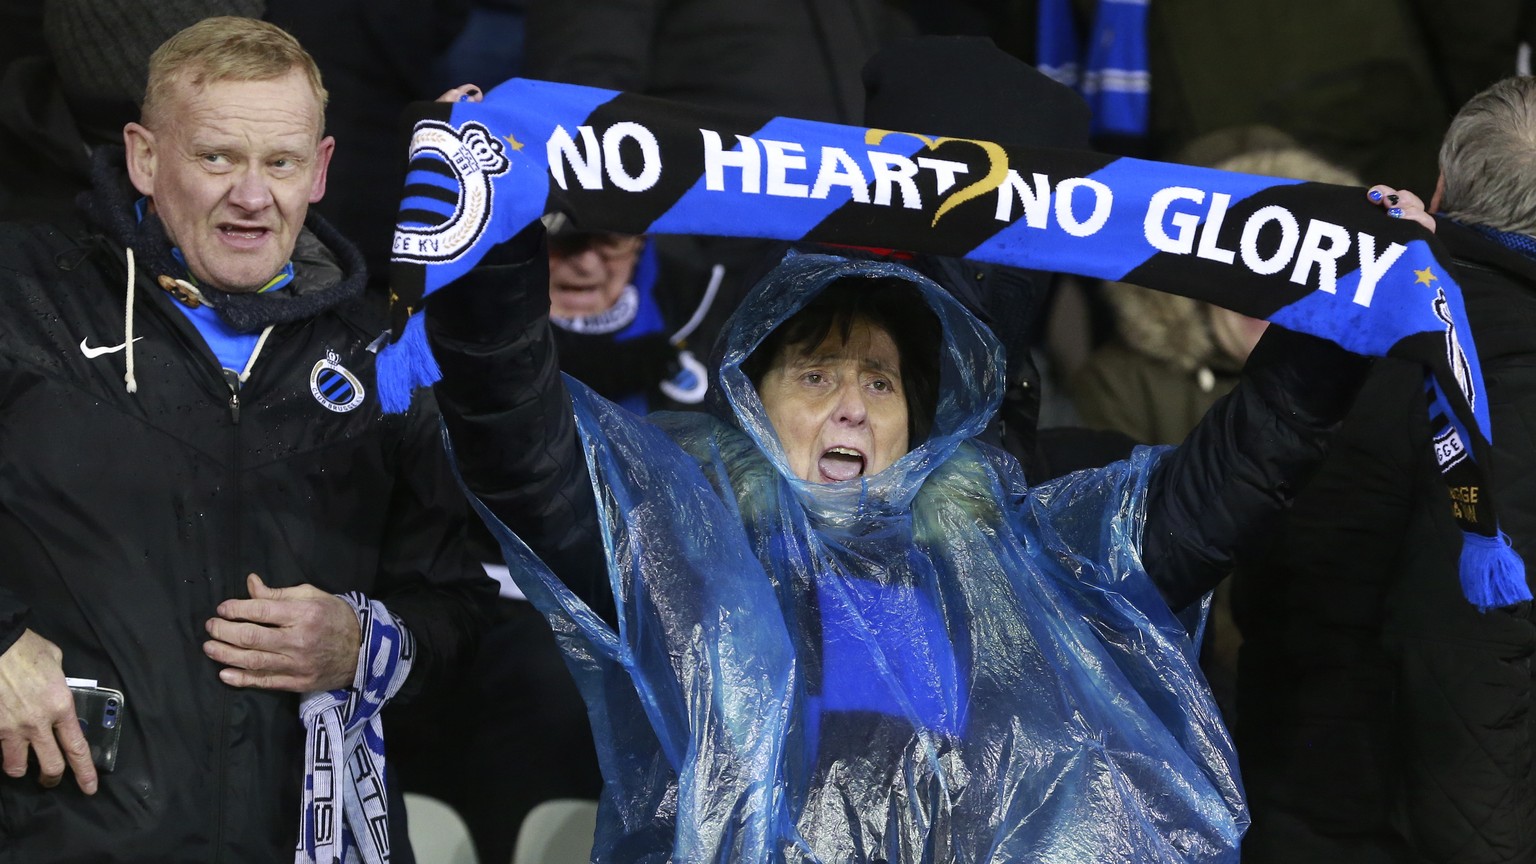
[1381, 717]
[126, 518]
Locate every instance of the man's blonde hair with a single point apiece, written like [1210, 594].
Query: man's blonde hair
[226, 48]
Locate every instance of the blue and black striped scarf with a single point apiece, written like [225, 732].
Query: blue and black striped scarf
[1311, 257]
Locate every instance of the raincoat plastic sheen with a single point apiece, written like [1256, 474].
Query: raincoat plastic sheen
[932, 664]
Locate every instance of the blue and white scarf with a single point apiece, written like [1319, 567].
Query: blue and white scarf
[1114, 78]
[346, 807]
[1309, 256]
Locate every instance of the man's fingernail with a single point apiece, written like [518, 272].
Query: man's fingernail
[1392, 199]
[1395, 212]
[1374, 194]
[463, 97]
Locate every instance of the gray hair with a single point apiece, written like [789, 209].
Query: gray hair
[1488, 159]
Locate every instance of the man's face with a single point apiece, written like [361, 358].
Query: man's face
[231, 168]
[839, 409]
[588, 273]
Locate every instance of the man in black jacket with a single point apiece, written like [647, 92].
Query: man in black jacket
[201, 505]
[1380, 717]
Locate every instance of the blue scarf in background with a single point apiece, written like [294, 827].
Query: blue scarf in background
[1311, 257]
[1114, 77]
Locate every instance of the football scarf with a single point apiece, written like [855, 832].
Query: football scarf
[346, 807]
[1311, 257]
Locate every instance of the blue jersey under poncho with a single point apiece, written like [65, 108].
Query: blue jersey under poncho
[934, 663]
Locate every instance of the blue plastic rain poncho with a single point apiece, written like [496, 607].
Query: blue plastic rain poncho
[934, 663]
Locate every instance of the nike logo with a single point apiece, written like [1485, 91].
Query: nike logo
[92, 353]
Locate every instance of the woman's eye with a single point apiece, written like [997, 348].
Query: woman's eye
[814, 377]
[880, 384]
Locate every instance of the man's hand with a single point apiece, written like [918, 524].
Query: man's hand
[37, 715]
[297, 639]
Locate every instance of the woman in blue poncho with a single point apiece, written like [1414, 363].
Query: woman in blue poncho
[821, 623]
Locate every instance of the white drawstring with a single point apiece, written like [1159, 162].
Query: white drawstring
[716, 274]
[246, 372]
[128, 379]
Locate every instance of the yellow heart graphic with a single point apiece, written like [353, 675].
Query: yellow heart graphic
[997, 171]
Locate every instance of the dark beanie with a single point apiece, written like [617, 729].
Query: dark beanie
[967, 87]
[101, 48]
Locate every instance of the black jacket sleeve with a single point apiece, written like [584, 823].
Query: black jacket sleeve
[428, 577]
[509, 416]
[1219, 495]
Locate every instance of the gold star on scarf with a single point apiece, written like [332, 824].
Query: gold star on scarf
[516, 144]
[1425, 276]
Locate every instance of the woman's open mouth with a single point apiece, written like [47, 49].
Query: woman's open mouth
[840, 463]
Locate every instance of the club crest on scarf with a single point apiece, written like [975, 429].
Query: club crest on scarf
[1454, 355]
[449, 193]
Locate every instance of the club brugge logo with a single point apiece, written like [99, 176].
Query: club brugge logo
[448, 191]
[1455, 355]
[1449, 449]
[334, 385]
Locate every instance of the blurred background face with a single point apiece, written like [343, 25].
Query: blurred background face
[1235, 333]
[588, 271]
[839, 408]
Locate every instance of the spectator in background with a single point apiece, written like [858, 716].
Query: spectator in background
[1172, 357]
[609, 310]
[76, 92]
[202, 505]
[1380, 719]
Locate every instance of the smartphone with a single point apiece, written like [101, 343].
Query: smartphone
[101, 712]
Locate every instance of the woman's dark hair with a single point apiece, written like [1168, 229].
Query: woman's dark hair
[893, 305]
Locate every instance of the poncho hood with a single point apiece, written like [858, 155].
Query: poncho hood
[971, 370]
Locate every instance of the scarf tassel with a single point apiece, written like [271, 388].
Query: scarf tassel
[405, 365]
[1492, 574]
